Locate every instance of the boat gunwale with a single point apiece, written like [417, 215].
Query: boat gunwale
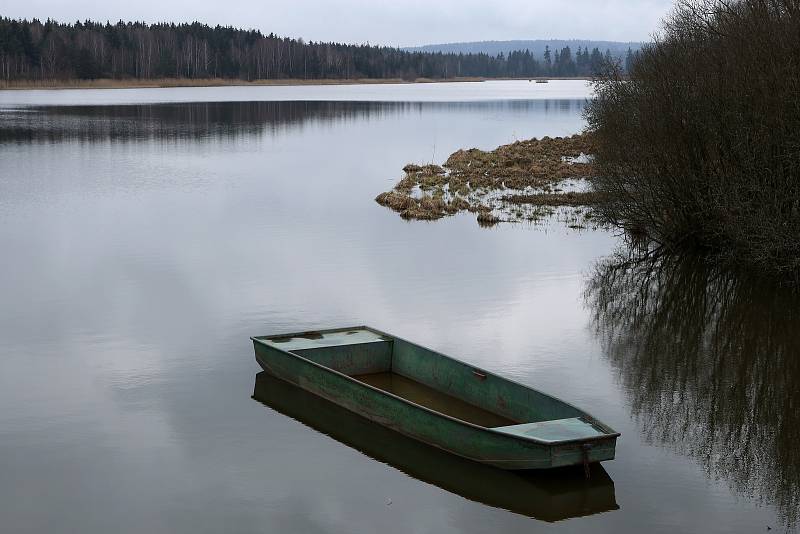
[547, 443]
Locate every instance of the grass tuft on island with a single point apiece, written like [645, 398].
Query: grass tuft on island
[522, 181]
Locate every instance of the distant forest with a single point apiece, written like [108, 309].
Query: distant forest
[536, 46]
[32, 50]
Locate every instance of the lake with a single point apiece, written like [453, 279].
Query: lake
[148, 233]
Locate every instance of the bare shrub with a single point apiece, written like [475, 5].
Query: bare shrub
[700, 145]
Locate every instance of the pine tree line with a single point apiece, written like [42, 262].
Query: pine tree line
[32, 50]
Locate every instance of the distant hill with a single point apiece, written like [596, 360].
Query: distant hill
[493, 48]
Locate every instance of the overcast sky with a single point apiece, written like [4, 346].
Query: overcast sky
[392, 22]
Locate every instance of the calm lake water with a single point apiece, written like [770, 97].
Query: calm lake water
[146, 234]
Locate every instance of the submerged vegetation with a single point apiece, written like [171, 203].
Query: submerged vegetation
[699, 147]
[525, 180]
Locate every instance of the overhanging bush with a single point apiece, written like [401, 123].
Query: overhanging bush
[700, 145]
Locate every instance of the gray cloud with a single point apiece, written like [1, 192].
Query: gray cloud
[400, 22]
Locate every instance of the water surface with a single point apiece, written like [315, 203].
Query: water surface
[402, 92]
[144, 241]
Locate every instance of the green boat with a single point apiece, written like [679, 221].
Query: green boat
[436, 399]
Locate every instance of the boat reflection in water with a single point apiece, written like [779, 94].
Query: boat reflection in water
[710, 361]
[548, 496]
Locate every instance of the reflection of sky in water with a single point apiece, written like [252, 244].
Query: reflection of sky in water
[135, 272]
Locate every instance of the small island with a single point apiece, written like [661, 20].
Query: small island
[522, 181]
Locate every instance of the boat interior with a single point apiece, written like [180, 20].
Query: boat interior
[440, 383]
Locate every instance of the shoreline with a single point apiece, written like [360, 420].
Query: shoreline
[160, 83]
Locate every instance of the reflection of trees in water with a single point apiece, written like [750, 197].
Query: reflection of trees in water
[187, 121]
[711, 364]
[206, 121]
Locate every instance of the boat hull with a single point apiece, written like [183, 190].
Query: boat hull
[470, 441]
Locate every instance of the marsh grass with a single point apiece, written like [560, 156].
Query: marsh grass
[509, 183]
[569, 198]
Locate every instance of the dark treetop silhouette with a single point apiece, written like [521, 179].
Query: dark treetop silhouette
[32, 50]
